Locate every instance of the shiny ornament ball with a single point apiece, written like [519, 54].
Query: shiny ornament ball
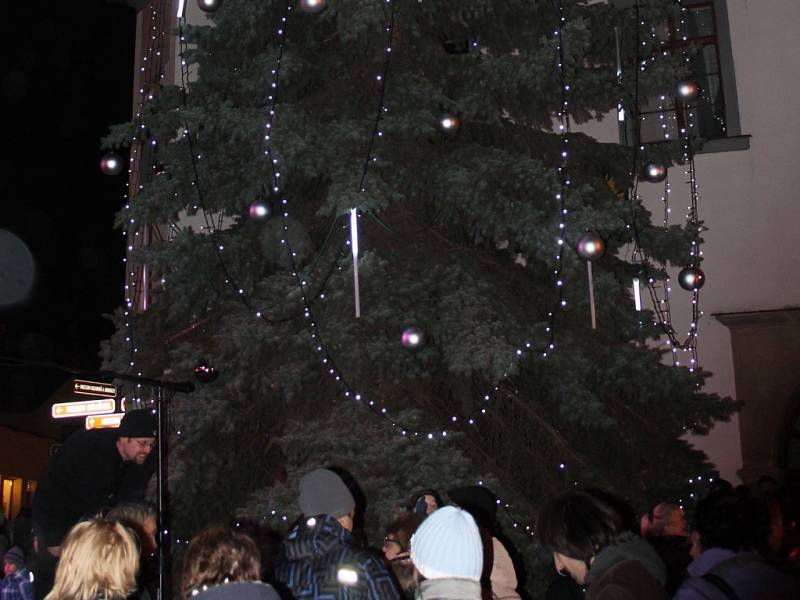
[260, 209]
[111, 163]
[448, 123]
[688, 90]
[209, 6]
[691, 278]
[205, 372]
[654, 172]
[412, 338]
[313, 6]
[591, 246]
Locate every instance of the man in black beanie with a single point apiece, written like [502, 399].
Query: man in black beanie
[95, 469]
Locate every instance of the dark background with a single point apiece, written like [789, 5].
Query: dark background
[66, 74]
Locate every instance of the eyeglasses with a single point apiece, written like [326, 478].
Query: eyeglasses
[387, 540]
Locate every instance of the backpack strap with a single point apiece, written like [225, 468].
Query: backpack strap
[721, 585]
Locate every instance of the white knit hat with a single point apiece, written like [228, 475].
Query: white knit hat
[448, 545]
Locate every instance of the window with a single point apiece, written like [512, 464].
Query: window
[704, 25]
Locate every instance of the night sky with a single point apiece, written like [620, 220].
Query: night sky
[66, 73]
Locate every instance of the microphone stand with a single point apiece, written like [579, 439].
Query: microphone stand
[158, 386]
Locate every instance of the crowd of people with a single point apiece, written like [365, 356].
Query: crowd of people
[741, 544]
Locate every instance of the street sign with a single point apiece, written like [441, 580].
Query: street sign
[82, 408]
[95, 388]
[103, 421]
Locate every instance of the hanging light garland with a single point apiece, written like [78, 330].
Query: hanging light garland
[691, 277]
[141, 166]
[415, 337]
[412, 339]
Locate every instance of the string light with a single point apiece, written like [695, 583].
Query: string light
[141, 166]
[565, 183]
[327, 360]
[661, 298]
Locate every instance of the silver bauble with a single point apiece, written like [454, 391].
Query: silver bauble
[205, 372]
[260, 209]
[591, 246]
[412, 338]
[687, 90]
[209, 6]
[313, 6]
[654, 172]
[448, 123]
[691, 278]
[111, 163]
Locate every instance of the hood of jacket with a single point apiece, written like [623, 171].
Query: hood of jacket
[315, 537]
[627, 546]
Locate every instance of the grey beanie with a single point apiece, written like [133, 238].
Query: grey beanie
[322, 492]
[448, 546]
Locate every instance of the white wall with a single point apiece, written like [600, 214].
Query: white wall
[747, 199]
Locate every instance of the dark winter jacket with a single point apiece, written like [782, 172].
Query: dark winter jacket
[319, 561]
[17, 586]
[87, 475]
[629, 569]
[674, 552]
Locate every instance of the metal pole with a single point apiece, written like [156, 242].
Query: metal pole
[591, 294]
[163, 521]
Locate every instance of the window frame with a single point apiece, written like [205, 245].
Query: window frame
[733, 140]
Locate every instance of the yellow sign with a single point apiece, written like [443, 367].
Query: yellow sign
[95, 388]
[103, 421]
[82, 408]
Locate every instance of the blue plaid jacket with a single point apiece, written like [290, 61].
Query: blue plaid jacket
[17, 586]
[319, 562]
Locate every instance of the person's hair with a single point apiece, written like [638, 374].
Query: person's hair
[415, 497]
[655, 522]
[403, 527]
[731, 521]
[134, 516]
[98, 559]
[218, 555]
[132, 512]
[581, 523]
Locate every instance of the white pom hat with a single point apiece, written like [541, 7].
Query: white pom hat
[448, 545]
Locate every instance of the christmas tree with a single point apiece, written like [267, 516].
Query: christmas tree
[445, 134]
